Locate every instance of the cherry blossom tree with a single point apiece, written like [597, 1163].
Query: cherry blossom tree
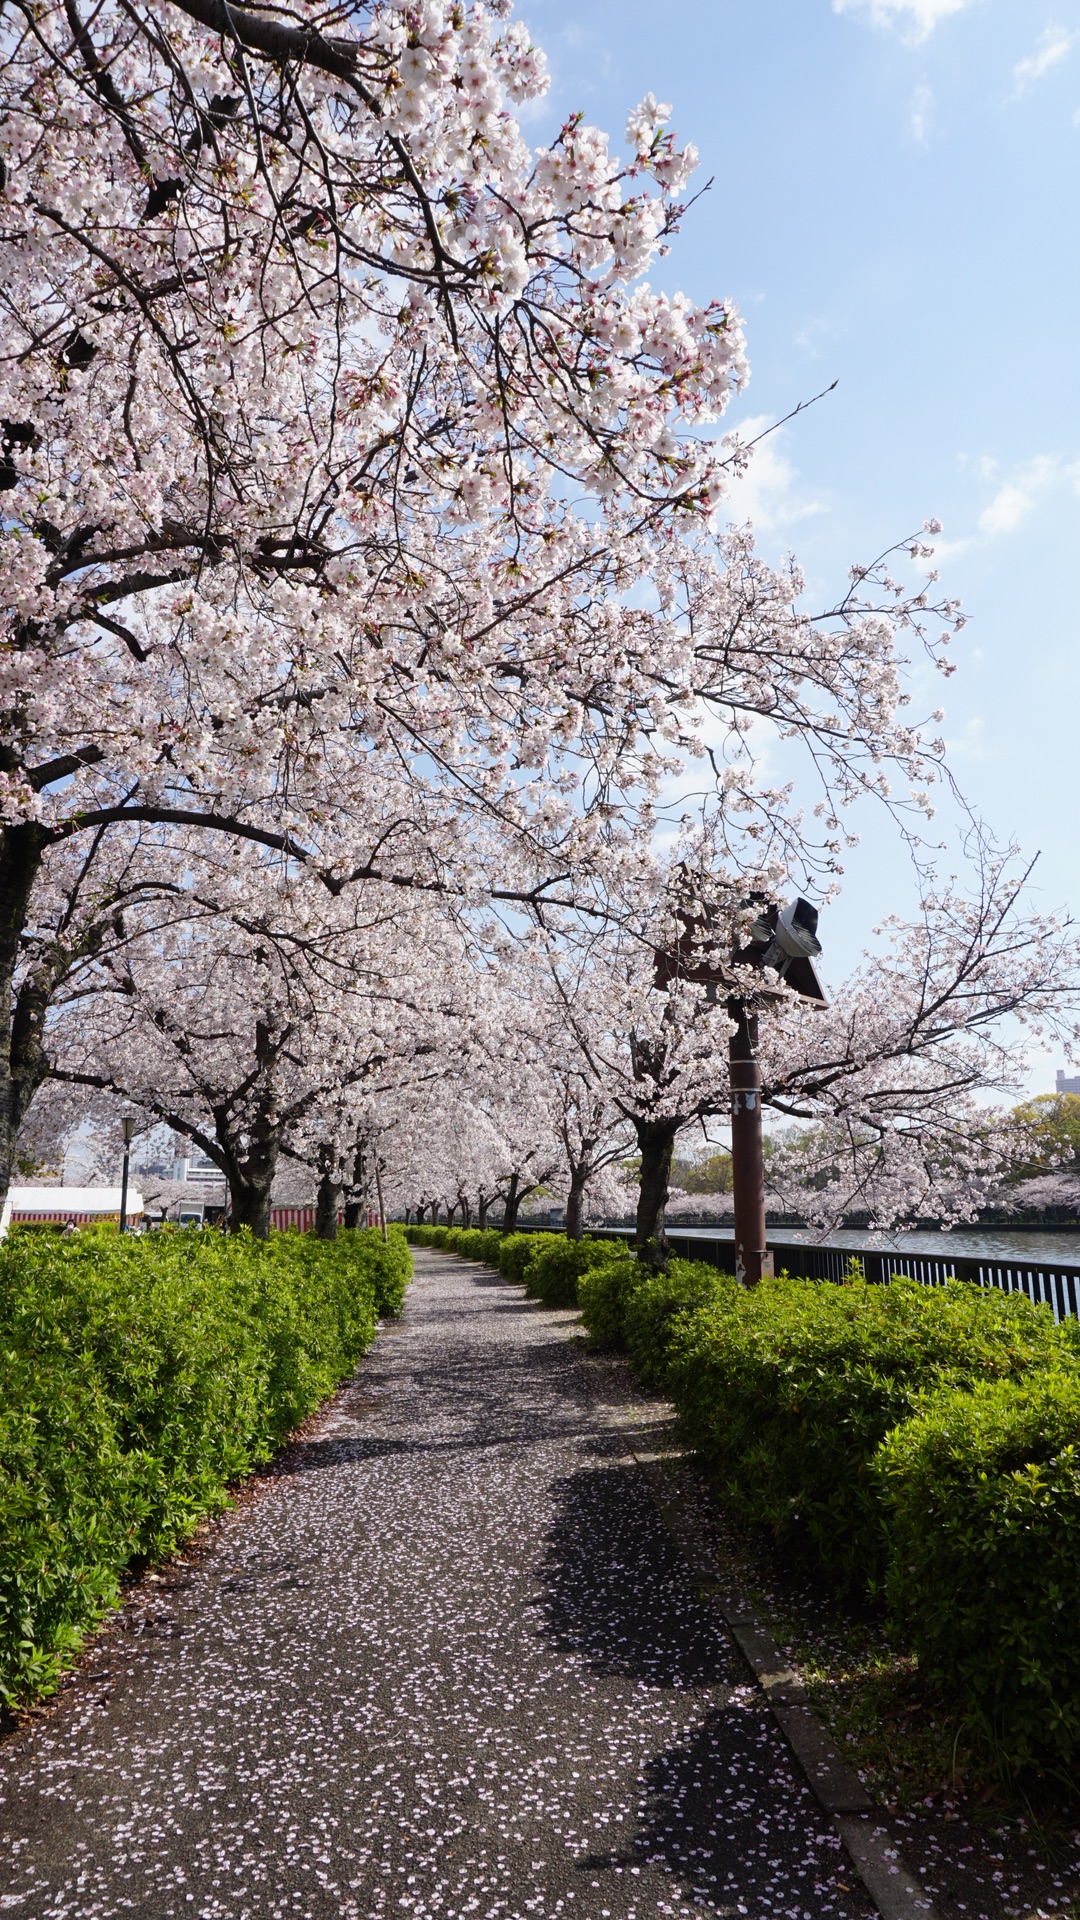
[309, 365]
[893, 1075]
[266, 1031]
[357, 483]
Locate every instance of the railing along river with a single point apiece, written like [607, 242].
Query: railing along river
[1055, 1283]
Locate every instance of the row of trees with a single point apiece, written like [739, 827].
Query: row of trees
[380, 701]
[384, 1048]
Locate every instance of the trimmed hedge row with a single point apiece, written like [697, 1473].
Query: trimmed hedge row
[916, 1443]
[788, 1392]
[548, 1264]
[142, 1375]
[983, 1495]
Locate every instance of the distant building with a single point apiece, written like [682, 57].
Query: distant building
[1066, 1085]
[197, 1170]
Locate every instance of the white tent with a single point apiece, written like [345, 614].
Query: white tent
[81, 1204]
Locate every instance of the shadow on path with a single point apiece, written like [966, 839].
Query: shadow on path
[724, 1809]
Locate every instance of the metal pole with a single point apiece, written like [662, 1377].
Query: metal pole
[382, 1213]
[128, 1126]
[123, 1189]
[747, 1157]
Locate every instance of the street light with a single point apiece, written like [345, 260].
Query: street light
[785, 940]
[128, 1126]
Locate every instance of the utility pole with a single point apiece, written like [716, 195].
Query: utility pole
[752, 1259]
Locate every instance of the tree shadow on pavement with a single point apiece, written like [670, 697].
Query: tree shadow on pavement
[723, 1809]
[618, 1594]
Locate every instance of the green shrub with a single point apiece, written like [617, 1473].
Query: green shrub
[517, 1249]
[475, 1243]
[625, 1304]
[557, 1264]
[788, 1390]
[143, 1375]
[982, 1491]
[603, 1294]
[655, 1306]
[426, 1236]
[388, 1264]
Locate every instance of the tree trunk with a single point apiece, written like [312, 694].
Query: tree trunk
[23, 1062]
[327, 1202]
[354, 1205]
[513, 1202]
[251, 1161]
[250, 1206]
[466, 1212]
[450, 1212]
[575, 1203]
[482, 1204]
[656, 1139]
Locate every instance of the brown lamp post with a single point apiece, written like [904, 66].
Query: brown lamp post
[752, 1258]
[785, 940]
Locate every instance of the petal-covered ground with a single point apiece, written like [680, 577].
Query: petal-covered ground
[449, 1665]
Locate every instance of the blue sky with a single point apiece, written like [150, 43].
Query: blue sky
[895, 206]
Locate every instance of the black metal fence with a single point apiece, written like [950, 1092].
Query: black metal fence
[1056, 1283]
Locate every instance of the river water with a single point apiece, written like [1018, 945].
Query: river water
[999, 1242]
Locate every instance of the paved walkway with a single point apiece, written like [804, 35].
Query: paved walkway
[449, 1666]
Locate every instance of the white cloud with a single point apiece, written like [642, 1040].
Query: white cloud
[1054, 46]
[970, 743]
[917, 17]
[1009, 506]
[921, 114]
[768, 494]
[1016, 498]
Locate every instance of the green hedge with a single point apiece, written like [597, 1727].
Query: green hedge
[603, 1293]
[558, 1266]
[142, 1376]
[657, 1306]
[982, 1491]
[388, 1263]
[548, 1264]
[471, 1243]
[624, 1304]
[787, 1391]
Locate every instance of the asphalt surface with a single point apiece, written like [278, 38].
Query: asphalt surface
[449, 1664]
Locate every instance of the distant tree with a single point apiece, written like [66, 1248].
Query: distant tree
[703, 1176]
[1050, 1129]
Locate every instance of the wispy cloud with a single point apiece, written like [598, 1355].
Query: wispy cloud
[1010, 504]
[921, 114]
[769, 493]
[1017, 497]
[916, 18]
[1055, 45]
